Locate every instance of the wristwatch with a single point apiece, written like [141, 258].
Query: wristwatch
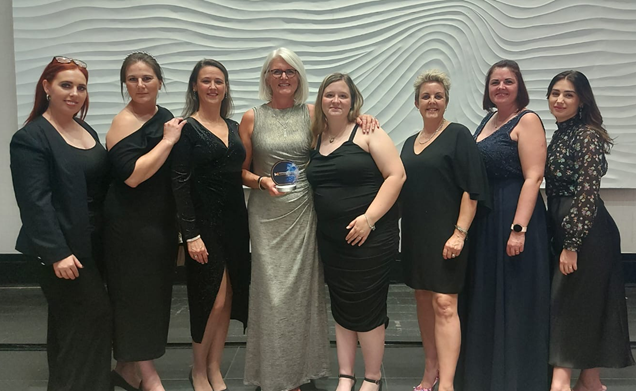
[518, 228]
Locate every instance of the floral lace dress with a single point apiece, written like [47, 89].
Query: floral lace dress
[588, 319]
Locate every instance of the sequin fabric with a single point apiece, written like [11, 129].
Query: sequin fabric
[576, 162]
[499, 151]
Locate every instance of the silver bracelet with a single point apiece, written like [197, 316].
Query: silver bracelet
[370, 226]
[260, 178]
[461, 230]
[193, 239]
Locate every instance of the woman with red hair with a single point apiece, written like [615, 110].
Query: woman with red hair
[59, 171]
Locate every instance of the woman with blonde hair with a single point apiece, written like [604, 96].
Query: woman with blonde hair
[442, 156]
[287, 334]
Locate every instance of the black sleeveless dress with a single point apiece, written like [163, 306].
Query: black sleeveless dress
[140, 247]
[345, 183]
[505, 304]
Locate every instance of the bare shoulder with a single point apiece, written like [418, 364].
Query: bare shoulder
[124, 124]
[246, 127]
[531, 120]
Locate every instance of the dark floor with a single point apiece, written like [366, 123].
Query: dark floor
[23, 360]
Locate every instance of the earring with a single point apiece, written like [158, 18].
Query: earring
[48, 97]
[580, 112]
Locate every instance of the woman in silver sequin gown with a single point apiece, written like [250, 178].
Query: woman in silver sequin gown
[287, 335]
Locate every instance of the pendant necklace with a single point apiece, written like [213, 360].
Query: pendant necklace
[434, 133]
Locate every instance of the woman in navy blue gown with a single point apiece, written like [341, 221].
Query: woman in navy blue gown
[505, 303]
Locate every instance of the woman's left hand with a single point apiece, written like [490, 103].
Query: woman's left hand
[359, 231]
[567, 262]
[516, 242]
[368, 123]
[453, 246]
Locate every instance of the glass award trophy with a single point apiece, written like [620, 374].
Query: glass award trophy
[285, 175]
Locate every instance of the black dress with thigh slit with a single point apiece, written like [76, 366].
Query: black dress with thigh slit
[345, 183]
[208, 189]
[140, 247]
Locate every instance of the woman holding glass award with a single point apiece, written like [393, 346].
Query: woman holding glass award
[287, 334]
[356, 179]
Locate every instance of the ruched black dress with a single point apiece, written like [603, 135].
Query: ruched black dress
[140, 247]
[208, 188]
[505, 304]
[588, 314]
[345, 182]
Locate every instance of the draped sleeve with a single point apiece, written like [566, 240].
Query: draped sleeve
[469, 169]
[124, 155]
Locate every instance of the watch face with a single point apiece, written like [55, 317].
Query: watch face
[517, 228]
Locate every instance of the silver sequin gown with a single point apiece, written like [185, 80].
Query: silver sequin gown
[287, 334]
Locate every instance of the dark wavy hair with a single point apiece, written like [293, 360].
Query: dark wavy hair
[588, 109]
[134, 58]
[522, 92]
[41, 103]
[192, 97]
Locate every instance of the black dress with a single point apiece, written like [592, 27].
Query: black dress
[436, 180]
[588, 315]
[208, 188]
[505, 305]
[60, 191]
[345, 183]
[140, 247]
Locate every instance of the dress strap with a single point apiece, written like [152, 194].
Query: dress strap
[318, 142]
[515, 120]
[353, 133]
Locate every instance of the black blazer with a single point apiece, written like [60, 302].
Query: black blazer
[50, 189]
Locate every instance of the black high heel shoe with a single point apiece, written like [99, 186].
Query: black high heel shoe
[349, 377]
[378, 382]
[118, 381]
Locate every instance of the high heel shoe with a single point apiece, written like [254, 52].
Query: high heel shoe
[349, 377]
[378, 382]
[118, 381]
[420, 388]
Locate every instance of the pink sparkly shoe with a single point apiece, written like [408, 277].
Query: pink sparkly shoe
[420, 388]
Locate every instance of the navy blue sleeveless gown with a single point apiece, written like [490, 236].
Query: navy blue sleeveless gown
[505, 305]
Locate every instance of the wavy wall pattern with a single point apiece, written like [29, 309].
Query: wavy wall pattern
[382, 44]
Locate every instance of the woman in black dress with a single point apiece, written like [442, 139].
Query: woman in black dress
[356, 179]
[505, 304]
[140, 240]
[442, 156]
[59, 171]
[206, 180]
[588, 315]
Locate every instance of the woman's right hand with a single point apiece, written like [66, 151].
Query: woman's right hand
[67, 268]
[268, 185]
[172, 130]
[197, 251]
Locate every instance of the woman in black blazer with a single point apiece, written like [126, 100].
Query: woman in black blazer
[59, 171]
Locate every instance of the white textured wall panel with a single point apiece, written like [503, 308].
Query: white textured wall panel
[382, 44]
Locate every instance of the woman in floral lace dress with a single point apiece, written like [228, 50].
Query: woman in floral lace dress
[588, 316]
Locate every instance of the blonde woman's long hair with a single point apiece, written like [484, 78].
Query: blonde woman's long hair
[319, 123]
